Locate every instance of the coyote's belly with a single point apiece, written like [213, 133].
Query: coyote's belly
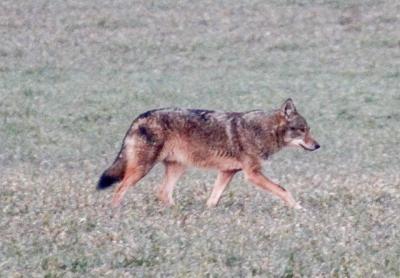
[198, 154]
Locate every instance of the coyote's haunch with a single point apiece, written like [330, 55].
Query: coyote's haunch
[227, 141]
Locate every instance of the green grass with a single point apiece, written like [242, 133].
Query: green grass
[73, 75]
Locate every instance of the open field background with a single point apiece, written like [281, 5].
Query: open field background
[74, 74]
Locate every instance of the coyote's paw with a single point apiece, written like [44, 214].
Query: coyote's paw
[211, 203]
[298, 206]
[291, 201]
[164, 198]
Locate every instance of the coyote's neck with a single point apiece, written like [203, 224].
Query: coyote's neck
[274, 140]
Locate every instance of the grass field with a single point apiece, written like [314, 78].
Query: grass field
[74, 74]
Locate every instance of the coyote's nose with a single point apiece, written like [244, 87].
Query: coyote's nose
[317, 146]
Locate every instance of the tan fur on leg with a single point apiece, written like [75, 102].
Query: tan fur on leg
[173, 171]
[132, 176]
[223, 179]
[263, 182]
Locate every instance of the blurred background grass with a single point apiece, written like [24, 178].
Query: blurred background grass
[74, 74]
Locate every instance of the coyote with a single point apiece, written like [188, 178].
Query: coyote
[227, 141]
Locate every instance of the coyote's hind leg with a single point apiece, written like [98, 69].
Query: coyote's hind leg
[173, 171]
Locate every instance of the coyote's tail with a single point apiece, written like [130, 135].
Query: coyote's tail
[114, 173]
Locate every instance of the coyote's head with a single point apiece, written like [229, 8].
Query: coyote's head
[297, 131]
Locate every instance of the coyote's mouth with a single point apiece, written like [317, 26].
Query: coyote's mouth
[307, 149]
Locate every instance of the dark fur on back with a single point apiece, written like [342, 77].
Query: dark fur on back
[146, 134]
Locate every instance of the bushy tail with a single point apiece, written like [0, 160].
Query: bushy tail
[113, 174]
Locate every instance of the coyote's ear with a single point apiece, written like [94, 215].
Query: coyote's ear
[288, 108]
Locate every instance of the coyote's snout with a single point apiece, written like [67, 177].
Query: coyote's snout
[229, 142]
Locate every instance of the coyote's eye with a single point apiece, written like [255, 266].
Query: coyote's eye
[292, 128]
[302, 129]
